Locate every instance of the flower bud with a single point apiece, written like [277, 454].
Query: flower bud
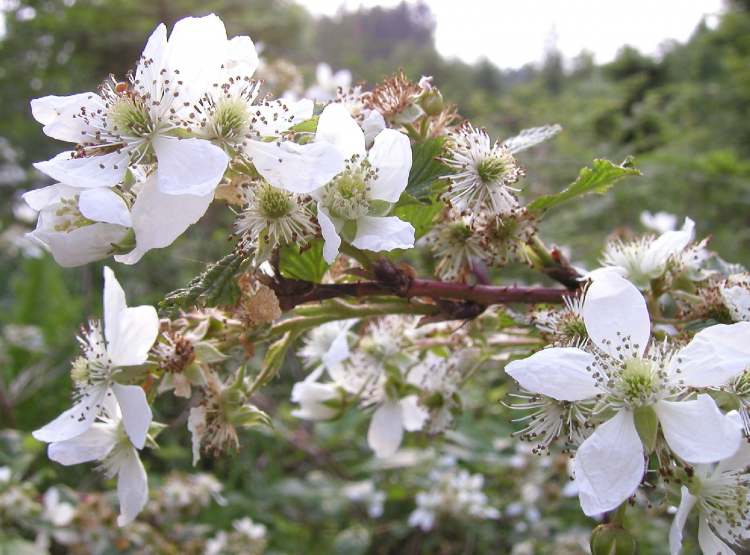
[431, 101]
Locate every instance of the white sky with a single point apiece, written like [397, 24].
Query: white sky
[514, 32]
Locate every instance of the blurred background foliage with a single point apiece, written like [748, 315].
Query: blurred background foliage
[684, 116]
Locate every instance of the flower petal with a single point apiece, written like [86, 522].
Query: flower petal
[104, 205]
[136, 414]
[413, 415]
[92, 445]
[386, 431]
[137, 330]
[614, 311]
[275, 116]
[687, 502]
[132, 487]
[153, 54]
[336, 126]
[390, 155]
[242, 56]
[562, 373]
[75, 420]
[711, 543]
[188, 166]
[79, 246]
[330, 236]
[670, 243]
[159, 218]
[311, 397]
[295, 168]
[714, 356]
[60, 115]
[697, 431]
[609, 465]
[339, 349]
[114, 304]
[104, 170]
[377, 234]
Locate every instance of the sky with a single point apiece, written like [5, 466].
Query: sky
[512, 33]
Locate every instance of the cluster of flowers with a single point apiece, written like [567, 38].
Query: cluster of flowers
[389, 370]
[84, 523]
[619, 387]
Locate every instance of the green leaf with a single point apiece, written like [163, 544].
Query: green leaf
[307, 265]
[216, 285]
[598, 179]
[425, 168]
[307, 126]
[417, 214]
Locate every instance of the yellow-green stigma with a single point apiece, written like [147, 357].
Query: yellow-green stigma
[273, 203]
[638, 381]
[348, 196]
[70, 216]
[131, 117]
[230, 119]
[491, 170]
[79, 371]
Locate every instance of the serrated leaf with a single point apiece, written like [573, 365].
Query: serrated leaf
[307, 265]
[417, 214]
[597, 179]
[425, 168]
[216, 285]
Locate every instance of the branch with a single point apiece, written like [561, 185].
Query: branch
[392, 280]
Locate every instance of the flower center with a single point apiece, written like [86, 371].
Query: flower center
[491, 169]
[274, 203]
[348, 196]
[638, 381]
[130, 116]
[230, 118]
[459, 233]
[70, 216]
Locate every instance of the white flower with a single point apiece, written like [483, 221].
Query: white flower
[721, 494]
[390, 420]
[457, 245]
[312, 398]
[647, 258]
[127, 123]
[108, 442]
[483, 173]
[327, 345]
[354, 202]
[125, 341]
[56, 512]
[627, 374]
[735, 292]
[329, 83]
[660, 222]
[78, 226]
[366, 492]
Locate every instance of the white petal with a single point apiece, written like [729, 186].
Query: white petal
[687, 502]
[153, 54]
[114, 304]
[159, 218]
[710, 543]
[296, 168]
[197, 427]
[609, 465]
[737, 300]
[311, 397]
[60, 115]
[372, 125]
[242, 57]
[339, 349]
[275, 116]
[386, 431]
[80, 246]
[75, 420]
[562, 373]
[741, 459]
[383, 234]
[92, 445]
[105, 170]
[413, 415]
[188, 166]
[336, 126]
[671, 243]
[614, 309]
[136, 414]
[330, 236]
[39, 199]
[715, 355]
[104, 205]
[697, 431]
[137, 330]
[390, 155]
[531, 137]
[132, 487]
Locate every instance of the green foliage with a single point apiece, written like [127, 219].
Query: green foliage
[597, 179]
[304, 262]
[216, 286]
[425, 168]
[417, 214]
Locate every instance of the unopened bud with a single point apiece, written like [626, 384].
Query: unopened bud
[431, 102]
